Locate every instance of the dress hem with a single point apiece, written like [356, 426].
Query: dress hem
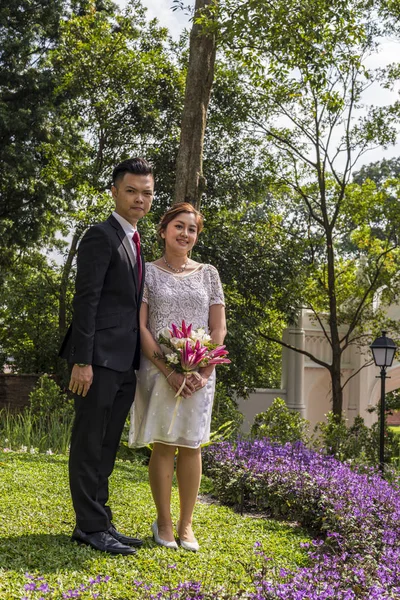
[168, 444]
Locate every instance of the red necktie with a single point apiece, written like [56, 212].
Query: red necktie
[136, 239]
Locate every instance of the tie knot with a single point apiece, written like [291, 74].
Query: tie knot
[136, 237]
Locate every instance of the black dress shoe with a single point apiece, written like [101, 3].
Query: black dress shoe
[101, 540]
[124, 539]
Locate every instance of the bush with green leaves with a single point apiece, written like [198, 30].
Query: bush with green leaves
[48, 397]
[357, 443]
[330, 436]
[225, 416]
[279, 424]
[44, 425]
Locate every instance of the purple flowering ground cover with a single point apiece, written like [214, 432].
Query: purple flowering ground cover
[355, 518]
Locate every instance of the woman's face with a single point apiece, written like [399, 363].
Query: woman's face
[180, 235]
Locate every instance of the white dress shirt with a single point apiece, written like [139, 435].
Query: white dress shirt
[128, 228]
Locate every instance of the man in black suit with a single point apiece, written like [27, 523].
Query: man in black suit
[102, 346]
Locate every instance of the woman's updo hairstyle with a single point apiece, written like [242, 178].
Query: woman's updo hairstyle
[174, 211]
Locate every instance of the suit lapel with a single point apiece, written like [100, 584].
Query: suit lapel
[129, 250]
[143, 276]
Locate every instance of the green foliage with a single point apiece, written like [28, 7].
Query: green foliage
[47, 397]
[45, 425]
[332, 435]
[379, 172]
[392, 400]
[36, 433]
[297, 90]
[357, 443]
[29, 120]
[29, 338]
[37, 520]
[226, 419]
[241, 241]
[279, 424]
[121, 83]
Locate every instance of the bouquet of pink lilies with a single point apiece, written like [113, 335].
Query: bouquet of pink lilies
[189, 350]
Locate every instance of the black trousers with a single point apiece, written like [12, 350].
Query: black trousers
[96, 433]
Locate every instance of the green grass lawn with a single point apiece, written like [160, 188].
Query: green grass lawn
[36, 520]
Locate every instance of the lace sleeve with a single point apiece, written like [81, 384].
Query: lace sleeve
[145, 297]
[216, 291]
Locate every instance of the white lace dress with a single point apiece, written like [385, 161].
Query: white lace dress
[171, 299]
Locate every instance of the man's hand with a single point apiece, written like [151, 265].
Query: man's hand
[81, 380]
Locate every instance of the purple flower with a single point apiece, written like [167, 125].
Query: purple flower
[356, 555]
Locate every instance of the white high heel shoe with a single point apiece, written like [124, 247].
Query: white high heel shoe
[192, 546]
[159, 540]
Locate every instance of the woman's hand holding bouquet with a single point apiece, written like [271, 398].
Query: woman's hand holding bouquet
[188, 351]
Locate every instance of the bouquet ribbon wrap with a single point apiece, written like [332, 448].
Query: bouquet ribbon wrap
[179, 400]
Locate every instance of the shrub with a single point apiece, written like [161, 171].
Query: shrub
[43, 426]
[225, 416]
[279, 424]
[357, 443]
[330, 435]
[48, 397]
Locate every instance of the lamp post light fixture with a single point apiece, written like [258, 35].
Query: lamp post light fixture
[383, 351]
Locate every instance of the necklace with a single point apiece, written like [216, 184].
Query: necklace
[180, 270]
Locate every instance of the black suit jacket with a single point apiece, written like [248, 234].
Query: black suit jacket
[105, 324]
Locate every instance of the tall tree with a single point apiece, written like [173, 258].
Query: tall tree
[306, 74]
[120, 84]
[28, 315]
[27, 119]
[190, 182]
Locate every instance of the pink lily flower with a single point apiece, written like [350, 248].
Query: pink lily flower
[192, 357]
[219, 361]
[216, 356]
[184, 332]
[218, 351]
[175, 332]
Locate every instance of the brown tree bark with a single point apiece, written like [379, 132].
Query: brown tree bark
[335, 369]
[190, 182]
[62, 303]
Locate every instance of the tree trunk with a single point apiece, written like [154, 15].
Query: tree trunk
[62, 302]
[190, 183]
[335, 370]
[337, 388]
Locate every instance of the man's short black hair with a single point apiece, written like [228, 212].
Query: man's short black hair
[136, 166]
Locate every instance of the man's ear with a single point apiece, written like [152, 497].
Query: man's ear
[114, 191]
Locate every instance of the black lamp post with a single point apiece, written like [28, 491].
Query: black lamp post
[383, 351]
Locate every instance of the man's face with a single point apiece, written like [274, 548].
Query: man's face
[133, 195]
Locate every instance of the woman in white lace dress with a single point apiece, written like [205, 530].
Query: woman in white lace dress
[177, 288]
